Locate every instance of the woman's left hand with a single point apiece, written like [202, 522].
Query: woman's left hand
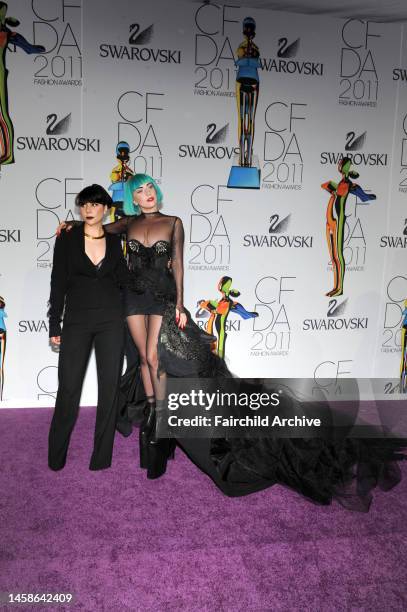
[180, 317]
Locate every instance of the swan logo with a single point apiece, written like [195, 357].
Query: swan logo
[355, 142]
[55, 127]
[391, 387]
[215, 135]
[136, 50]
[334, 321]
[278, 236]
[359, 80]
[336, 307]
[142, 37]
[286, 51]
[396, 292]
[277, 225]
[395, 241]
[272, 332]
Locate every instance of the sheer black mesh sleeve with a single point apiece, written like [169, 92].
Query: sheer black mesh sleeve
[122, 274]
[177, 261]
[117, 227]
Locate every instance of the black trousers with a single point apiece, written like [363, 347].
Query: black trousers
[76, 343]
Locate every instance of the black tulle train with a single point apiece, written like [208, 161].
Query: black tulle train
[346, 469]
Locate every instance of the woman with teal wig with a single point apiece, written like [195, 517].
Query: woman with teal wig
[134, 182]
[153, 299]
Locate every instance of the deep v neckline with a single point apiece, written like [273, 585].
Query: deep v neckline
[97, 265]
[102, 260]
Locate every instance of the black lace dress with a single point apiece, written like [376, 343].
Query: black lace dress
[346, 469]
[155, 266]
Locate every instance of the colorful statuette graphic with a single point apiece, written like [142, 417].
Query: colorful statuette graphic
[8, 37]
[119, 175]
[245, 175]
[403, 366]
[336, 218]
[219, 311]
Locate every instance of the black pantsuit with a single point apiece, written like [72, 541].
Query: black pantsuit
[93, 317]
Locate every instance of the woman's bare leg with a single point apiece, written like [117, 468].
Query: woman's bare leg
[138, 329]
[158, 381]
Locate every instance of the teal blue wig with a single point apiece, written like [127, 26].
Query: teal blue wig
[134, 182]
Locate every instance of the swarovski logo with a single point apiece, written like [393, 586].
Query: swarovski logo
[55, 127]
[353, 142]
[334, 320]
[140, 38]
[215, 136]
[287, 50]
[276, 226]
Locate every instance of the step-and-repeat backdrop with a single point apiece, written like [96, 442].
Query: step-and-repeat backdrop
[162, 77]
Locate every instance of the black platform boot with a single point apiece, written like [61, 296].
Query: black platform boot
[147, 429]
[158, 449]
[172, 446]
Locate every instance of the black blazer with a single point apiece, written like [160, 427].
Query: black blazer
[77, 285]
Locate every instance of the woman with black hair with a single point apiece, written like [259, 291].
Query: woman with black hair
[88, 268]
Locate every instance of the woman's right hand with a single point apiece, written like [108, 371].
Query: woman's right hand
[55, 340]
[180, 317]
[64, 226]
[60, 227]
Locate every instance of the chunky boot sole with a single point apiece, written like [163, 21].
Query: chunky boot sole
[146, 431]
[172, 447]
[143, 447]
[158, 451]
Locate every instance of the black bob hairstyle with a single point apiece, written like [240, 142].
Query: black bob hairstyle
[95, 194]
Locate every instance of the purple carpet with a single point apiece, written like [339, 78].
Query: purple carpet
[119, 542]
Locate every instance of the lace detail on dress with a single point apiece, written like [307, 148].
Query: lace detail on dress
[161, 247]
[187, 352]
[150, 266]
[134, 245]
[155, 255]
